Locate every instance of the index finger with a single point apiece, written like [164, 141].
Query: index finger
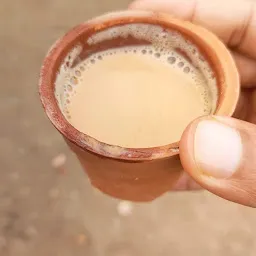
[233, 22]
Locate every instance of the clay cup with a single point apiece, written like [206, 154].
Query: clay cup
[140, 174]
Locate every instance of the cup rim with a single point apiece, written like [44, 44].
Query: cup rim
[86, 142]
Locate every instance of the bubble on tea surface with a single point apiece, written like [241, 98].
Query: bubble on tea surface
[157, 55]
[164, 35]
[201, 58]
[70, 88]
[186, 69]
[181, 64]
[77, 73]
[73, 80]
[171, 60]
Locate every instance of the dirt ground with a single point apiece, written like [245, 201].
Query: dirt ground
[46, 211]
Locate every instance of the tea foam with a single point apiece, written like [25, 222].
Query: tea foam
[126, 128]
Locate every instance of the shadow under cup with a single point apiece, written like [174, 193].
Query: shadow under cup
[128, 173]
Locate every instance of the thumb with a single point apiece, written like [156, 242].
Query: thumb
[220, 154]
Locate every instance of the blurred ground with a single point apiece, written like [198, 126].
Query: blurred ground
[49, 212]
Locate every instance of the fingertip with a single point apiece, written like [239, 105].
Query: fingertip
[189, 162]
[219, 154]
[189, 153]
[210, 147]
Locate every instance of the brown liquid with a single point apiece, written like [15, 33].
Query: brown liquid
[137, 99]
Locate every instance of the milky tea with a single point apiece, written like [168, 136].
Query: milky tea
[137, 95]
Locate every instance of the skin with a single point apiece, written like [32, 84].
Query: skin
[235, 25]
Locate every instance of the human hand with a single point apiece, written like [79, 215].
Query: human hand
[219, 153]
